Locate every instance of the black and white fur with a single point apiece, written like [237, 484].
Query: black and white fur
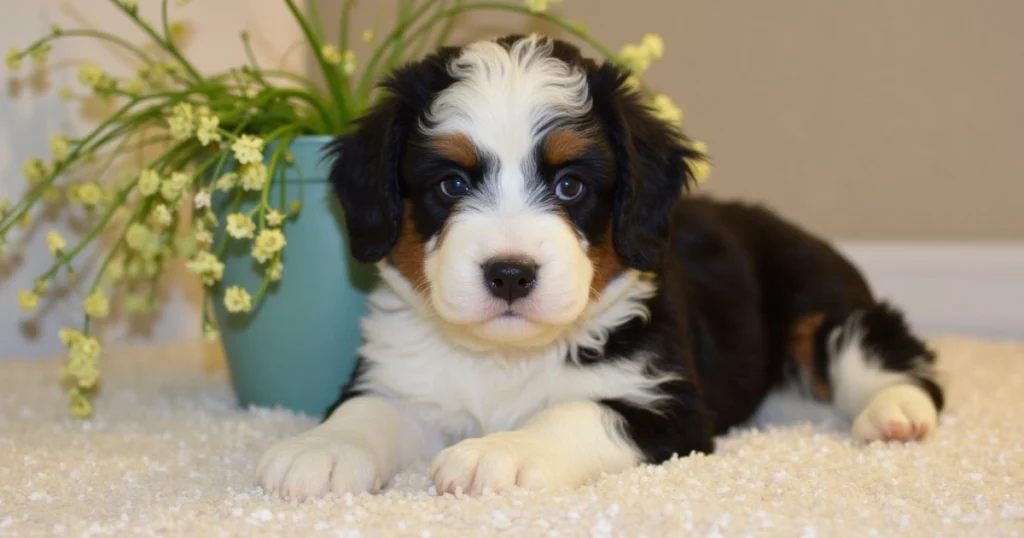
[690, 330]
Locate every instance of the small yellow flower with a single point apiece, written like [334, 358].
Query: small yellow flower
[666, 110]
[201, 200]
[331, 54]
[178, 29]
[237, 300]
[267, 243]
[51, 195]
[700, 168]
[275, 270]
[274, 218]
[240, 226]
[14, 59]
[89, 193]
[96, 304]
[253, 176]
[69, 337]
[149, 182]
[540, 6]
[91, 75]
[207, 267]
[134, 85]
[635, 58]
[210, 332]
[129, 4]
[367, 36]
[86, 348]
[81, 407]
[27, 300]
[40, 54]
[35, 170]
[66, 94]
[161, 216]
[172, 187]
[203, 236]
[181, 122]
[138, 237]
[654, 45]
[226, 182]
[55, 243]
[114, 271]
[207, 131]
[349, 63]
[248, 149]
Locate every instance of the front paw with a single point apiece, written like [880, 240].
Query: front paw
[500, 462]
[313, 464]
[897, 413]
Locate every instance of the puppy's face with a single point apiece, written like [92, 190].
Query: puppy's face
[508, 183]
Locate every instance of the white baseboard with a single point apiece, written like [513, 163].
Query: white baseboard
[969, 289]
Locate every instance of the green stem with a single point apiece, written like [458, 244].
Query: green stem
[371, 66]
[330, 73]
[164, 44]
[343, 36]
[95, 34]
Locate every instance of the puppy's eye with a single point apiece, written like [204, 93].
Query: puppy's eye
[453, 187]
[568, 189]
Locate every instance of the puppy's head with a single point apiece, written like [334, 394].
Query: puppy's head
[508, 182]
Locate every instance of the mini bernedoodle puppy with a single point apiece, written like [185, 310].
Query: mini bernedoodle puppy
[553, 306]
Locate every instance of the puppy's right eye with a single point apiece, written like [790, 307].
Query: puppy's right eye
[453, 187]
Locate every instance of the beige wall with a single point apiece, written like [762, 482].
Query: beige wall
[874, 119]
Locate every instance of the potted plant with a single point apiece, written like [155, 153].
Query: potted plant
[234, 184]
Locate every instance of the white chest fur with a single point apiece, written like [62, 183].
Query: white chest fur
[464, 393]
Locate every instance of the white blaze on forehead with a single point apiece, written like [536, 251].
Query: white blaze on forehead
[505, 100]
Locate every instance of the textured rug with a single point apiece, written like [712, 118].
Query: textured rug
[170, 454]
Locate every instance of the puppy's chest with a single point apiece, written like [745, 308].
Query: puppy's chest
[463, 394]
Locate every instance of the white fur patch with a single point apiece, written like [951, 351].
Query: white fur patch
[466, 388]
[561, 447]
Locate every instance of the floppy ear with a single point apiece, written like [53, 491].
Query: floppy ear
[366, 168]
[653, 171]
[365, 177]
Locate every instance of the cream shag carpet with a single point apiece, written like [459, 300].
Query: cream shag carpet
[169, 454]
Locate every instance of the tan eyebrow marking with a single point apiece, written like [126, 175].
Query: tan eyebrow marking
[563, 145]
[456, 147]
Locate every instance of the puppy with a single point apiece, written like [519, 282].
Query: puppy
[553, 306]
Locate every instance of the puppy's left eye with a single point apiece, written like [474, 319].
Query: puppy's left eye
[568, 189]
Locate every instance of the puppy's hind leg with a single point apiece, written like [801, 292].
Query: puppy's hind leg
[882, 376]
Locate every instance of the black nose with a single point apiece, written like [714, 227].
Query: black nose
[510, 279]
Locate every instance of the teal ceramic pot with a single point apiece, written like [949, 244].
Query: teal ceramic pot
[298, 346]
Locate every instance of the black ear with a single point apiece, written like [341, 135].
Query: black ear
[652, 156]
[366, 168]
[365, 178]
